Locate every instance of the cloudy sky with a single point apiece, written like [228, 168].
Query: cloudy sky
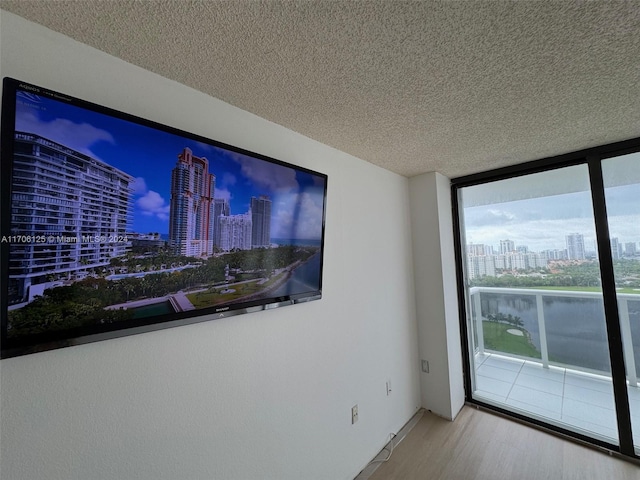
[540, 217]
[149, 155]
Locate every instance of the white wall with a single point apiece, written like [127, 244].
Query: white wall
[266, 395]
[442, 389]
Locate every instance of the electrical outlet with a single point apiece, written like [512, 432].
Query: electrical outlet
[388, 387]
[354, 414]
[425, 366]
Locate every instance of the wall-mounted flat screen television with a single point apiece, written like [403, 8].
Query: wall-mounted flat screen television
[113, 225]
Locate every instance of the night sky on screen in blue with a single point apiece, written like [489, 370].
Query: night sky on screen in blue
[149, 155]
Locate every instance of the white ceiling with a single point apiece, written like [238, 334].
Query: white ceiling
[449, 86]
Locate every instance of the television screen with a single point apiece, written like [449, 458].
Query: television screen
[113, 225]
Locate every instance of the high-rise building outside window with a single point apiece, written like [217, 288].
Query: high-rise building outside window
[507, 246]
[575, 246]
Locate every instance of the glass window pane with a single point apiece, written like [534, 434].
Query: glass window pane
[538, 341]
[622, 193]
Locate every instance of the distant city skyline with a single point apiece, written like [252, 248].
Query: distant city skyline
[484, 260]
[628, 248]
[543, 223]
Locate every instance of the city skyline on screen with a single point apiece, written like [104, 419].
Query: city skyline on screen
[149, 155]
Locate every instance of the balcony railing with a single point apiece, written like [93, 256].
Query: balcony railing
[539, 295]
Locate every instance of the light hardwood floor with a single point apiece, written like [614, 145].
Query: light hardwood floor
[481, 445]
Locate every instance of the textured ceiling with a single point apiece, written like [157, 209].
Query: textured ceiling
[455, 87]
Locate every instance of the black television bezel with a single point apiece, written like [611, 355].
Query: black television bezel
[78, 336]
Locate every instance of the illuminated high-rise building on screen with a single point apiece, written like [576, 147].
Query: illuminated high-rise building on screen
[72, 201]
[261, 221]
[235, 232]
[221, 209]
[191, 218]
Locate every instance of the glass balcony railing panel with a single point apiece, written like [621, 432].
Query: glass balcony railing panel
[509, 324]
[576, 332]
[574, 316]
[633, 310]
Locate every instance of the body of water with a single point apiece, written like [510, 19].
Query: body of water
[575, 327]
[297, 242]
[155, 309]
[305, 278]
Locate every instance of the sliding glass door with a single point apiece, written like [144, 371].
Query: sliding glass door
[549, 278]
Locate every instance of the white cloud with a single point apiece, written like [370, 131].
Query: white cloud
[139, 186]
[625, 227]
[297, 216]
[270, 176]
[152, 204]
[204, 146]
[77, 136]
[223, 193]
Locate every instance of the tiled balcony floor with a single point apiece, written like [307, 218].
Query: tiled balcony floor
[572, 399]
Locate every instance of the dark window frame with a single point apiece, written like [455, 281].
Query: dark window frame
[592, 157]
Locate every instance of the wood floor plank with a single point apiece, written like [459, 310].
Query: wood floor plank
[483, 446]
